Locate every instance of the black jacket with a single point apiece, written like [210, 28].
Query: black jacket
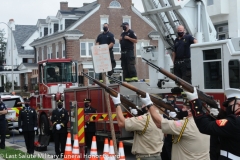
[60, 117]
[91, 126]
[27, 119]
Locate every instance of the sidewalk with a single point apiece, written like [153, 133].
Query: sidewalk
[45, 156]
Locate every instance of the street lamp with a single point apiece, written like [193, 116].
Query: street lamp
[11, 53]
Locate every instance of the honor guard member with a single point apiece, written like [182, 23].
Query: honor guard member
[59, 120]
[188, 142]
[90, 127]
[106, 37]
[127, 40]
[227, 129]
[148, 139]
[27, 124]
[3, 112]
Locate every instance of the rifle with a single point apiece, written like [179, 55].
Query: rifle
[114, 93]
[159, 103]
[185, 85]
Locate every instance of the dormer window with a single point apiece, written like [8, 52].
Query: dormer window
[114, 4]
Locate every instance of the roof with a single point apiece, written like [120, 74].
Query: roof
[42, 21]
[30, 64]
[81, 12]
[21, 34]
[154, 33]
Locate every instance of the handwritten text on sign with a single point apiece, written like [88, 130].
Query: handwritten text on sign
[101, 58]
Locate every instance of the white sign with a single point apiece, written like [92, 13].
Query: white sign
[101, 58]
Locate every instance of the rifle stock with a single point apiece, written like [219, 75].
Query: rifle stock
[114, 93]
[185, 85]
[159, 103]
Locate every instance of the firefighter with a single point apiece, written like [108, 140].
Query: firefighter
[27, 124]
[90, 127]
[59, 120]
[226, 129]
[128, 61]
[148, 139]
[3, 112]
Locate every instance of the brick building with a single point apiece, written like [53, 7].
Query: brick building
[72, 32]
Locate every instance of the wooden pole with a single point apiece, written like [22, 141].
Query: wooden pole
[110, 116]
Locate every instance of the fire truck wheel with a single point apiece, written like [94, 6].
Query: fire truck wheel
[44, 125]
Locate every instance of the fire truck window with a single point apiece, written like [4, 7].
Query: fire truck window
[233, 69]
[212, 69]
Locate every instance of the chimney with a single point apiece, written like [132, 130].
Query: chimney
[11, 24]
[64, 6]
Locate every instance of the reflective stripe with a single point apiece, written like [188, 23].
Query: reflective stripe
[229, 155]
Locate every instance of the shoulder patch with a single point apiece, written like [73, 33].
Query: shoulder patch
[178, 123]
[221, 122]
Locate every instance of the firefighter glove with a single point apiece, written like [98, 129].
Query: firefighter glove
[35, 128]
[134, 111]
[20, 129]
[116, 100]
[58, 126]
[192, 96]
[146, 101]
[173, 114]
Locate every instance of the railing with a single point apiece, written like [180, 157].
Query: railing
[9, 68]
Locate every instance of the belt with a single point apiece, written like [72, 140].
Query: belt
[147, 155]
[229, 155]
[125, 51]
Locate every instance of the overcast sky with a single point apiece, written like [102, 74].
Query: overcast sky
[27, 12]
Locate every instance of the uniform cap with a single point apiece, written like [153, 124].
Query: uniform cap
[124, 23]
[231, 94]
[87, 100]
[59, 102]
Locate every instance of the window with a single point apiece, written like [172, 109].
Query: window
[85, 50]
[30, 60]
[40, 34]
[50, 30]
[63, 50]
[127, 19]
[102, 21]
[116, 48]
[114, 4]
[212, 69]
[222, 31]
[57, 56]
[61, 27]
[93, 75]
[209, 2]
[139, 46]
[234, 76]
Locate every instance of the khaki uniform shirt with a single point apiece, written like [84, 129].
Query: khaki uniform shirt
[193, 145]
[151, 141]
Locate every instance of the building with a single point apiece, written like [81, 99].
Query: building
[72, 32]
[23, 54]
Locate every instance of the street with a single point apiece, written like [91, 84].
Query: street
[18, 139]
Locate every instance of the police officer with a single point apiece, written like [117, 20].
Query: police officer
[227, 129]
[181, 54]
[127, 40]
[3, 112]
[59, 120]
[188, 142]
[90, 127]
[106, 37]
[27, 124]
[148, 139]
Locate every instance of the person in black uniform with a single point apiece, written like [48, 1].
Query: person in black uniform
[106, 37]
[127, 40]
[90, 127]
[3, 112]
[227, 129]
[59, 120]
[181, 54]
[27, 124]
